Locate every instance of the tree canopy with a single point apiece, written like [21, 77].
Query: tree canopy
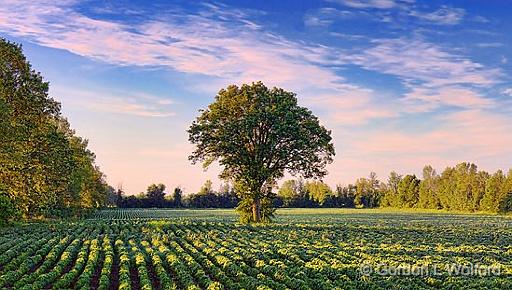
[257, 134]
[45, 169]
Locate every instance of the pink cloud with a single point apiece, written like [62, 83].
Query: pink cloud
[461, 135]
[426, 99]
[131, 103]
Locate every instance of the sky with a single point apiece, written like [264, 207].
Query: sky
[401, 83]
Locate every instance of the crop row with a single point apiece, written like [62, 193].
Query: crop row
[139, 253]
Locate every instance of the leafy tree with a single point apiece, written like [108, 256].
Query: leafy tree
[446, 188]
[391, 193]
[505, 197]
[288, 192]
[408, 190]
[257, 134]
[428, 191]
[177, 197]
[27, 123]
[45, 168]
[207, 188]
[156, 191]
[156, 194]
[493, 191]
[345, 195]
[368, 191]
[8, 210]
[462, 187]
[318, 191]
[294, 194]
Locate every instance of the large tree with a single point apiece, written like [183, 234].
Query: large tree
[257, 134]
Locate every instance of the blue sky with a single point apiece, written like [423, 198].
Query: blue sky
[401, 83]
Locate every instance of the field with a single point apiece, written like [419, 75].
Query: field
[303, 249]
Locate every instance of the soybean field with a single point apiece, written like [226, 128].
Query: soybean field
[302, 249]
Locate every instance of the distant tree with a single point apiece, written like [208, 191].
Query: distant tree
[390, 197]
[368, 191]
[207, 188]
[495, 188]
[293, 193]
[227, 197]
[119, 193]
[177, 197]
[345, 195]
[429, 187]
[505, 200]
[318, 191]
[257, 134]
[288, 192]
[155, 191]
[156, 195]
[462, 189]
[408, 191]
[446, 190]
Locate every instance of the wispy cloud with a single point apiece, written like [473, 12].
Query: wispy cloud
[416, 60]
[434, 76]
[214, 42]
[507, 92]
[379, 4]
[351, 105]
[443, 16]
[490, 44]
[221, 45]
[423, 99]
[136, 104]
[326, 16]
[481, 19]
[200, 43]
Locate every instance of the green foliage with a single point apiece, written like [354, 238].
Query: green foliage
[44, 166]
[390, 197]
[293, 193]
[177, 197]
[8, 210]
[303, 249]
[494, 191]
[156, 191]
[368, 191]
[427, 197]
[505, 204]
[257, 134]
[318, 191]
[408, 190]
[245, 210]
[460, 188]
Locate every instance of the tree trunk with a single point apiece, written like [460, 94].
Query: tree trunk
[256, 210]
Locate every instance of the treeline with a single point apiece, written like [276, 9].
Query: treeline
[155, 196]
[461, 188]
[45, 168]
